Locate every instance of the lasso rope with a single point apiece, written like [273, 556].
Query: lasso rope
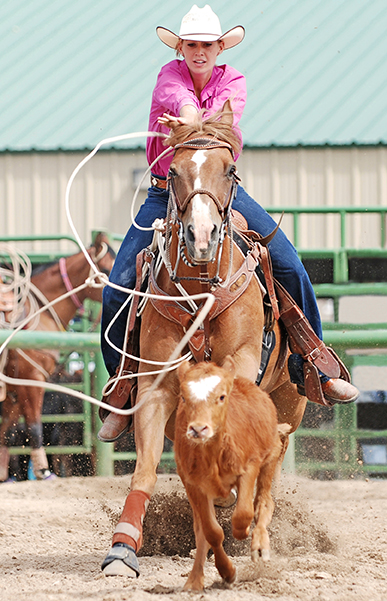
[17, 296]
[15, 286]
[175, 359]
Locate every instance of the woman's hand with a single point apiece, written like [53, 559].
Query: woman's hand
[171, 121]
[188, 116]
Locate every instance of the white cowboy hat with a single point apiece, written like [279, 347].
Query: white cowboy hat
[201, 25]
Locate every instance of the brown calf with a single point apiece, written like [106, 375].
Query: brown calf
[226, 436]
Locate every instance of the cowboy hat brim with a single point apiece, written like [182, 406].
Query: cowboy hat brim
[231, 38]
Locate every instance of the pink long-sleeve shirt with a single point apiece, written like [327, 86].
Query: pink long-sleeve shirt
[174, 89]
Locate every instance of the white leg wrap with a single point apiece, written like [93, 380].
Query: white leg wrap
[39, 459]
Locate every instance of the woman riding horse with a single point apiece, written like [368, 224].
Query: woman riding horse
[184, 88]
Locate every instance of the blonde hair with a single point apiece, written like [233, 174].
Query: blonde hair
[180, 42]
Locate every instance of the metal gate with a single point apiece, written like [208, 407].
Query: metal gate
[339, 441]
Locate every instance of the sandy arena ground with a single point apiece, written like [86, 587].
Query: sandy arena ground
[329, 543]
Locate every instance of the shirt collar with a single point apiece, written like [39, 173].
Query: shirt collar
[210, 86]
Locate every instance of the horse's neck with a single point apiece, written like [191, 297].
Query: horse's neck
[51, 285]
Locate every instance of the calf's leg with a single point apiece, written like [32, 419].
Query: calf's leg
[264, 507]
[244, 510]
[195, 580]
[207, 529]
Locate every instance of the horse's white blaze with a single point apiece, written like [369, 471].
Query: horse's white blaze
[201, 215]
[200, 211]
[202, 222]
[199, 158]
[200, 389]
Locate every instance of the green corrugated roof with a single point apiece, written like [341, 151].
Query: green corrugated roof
[74, 72]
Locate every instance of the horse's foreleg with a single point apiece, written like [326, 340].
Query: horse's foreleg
[150, 423]
[38, 454]
[4, 463]
[290, 405]
[9, 417]
[31, 400]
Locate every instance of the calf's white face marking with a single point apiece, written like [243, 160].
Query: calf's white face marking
[200, 389]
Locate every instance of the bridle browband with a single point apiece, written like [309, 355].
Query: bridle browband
[197, 143]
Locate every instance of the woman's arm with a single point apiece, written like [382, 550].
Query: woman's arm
[188, 114]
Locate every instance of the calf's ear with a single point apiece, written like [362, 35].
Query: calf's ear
[229, 365]
[182, 369]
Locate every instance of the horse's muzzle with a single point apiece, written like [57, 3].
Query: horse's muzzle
[202, 245]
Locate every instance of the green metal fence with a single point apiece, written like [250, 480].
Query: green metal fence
[337, 435]
[343, 213]
[86, 346]
[340, 433]
[77, 339]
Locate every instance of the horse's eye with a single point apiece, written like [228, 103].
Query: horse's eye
[222, 398]
[232, 171]
[172, 172]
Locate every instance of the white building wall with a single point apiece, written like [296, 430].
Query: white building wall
[32, 191]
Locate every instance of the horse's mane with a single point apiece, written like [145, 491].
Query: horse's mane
[43, 267]
[213, 127]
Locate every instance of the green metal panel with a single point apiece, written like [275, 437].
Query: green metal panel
[38, 339]
[344, 433]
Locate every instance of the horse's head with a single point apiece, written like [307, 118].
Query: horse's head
[103, 256]
[203, 182]
[102, 253]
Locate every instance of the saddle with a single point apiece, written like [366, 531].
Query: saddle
[302, 340]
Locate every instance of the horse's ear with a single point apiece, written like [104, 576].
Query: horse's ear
[98, 239]
[227, 115]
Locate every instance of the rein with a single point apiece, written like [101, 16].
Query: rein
[67, 283]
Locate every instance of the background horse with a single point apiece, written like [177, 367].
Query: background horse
[27, 401]
[203, 182]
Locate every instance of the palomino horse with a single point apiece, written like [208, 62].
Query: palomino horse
[27, 401]
[203, 181]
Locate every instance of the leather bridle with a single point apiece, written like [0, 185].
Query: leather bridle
[203, 144]
[175, 204]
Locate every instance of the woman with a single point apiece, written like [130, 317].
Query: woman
[184, 88]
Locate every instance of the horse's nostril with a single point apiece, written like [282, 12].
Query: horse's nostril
[190, 233]
[214, 233]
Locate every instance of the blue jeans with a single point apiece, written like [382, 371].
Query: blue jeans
[287, 267]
